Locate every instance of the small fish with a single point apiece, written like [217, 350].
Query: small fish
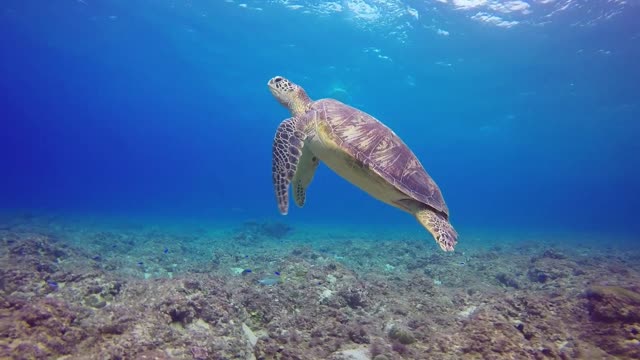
[52, 284]
[140, 263]
[246, 256]
[166, 250]
[97, 258]
[277, 273]
[462, 263]
[246, 271]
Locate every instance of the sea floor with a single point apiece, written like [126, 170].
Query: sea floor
[266, 290]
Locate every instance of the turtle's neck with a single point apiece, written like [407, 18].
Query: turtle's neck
[300, 104]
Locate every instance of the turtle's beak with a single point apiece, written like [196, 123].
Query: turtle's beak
[274, 81]
[272, 86]
[278, 87]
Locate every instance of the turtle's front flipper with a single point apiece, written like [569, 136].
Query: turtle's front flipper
[287, 150]
[442, 231]
[304, 174]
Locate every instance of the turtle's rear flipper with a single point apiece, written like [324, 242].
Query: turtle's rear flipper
[442, 231]
[287, 149]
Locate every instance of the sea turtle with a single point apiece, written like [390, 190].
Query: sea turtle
[357, 147]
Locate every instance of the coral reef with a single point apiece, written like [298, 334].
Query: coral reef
[73, 291]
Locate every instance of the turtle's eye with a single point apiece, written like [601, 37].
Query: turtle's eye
[278, 79]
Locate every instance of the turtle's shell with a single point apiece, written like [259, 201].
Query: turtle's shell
[376, 147]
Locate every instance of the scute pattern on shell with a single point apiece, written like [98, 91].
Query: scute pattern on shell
[377, 147]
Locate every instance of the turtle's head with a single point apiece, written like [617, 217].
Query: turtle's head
[290, 95]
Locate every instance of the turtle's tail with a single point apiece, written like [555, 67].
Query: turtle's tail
[442, 231]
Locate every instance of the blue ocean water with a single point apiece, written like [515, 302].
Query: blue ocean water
[138, 218]
[525, 113]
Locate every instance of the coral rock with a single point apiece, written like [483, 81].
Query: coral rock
[614, 303]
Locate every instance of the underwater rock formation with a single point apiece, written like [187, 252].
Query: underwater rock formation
[254, 231]
[614, 304]
[615, 312]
